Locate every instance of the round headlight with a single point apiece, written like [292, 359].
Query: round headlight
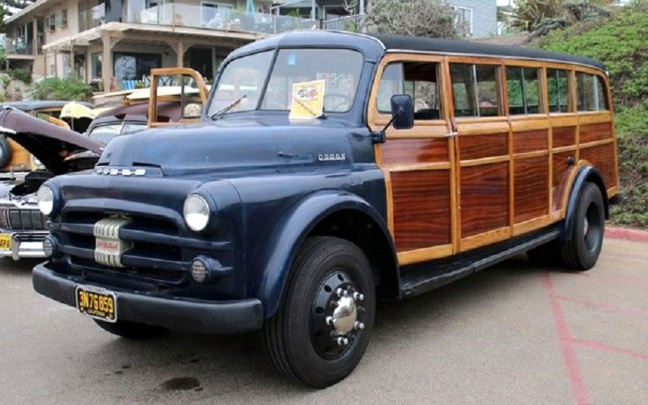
[45, 197]
[196, 212]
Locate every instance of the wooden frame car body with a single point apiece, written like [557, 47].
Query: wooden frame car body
[488, 179]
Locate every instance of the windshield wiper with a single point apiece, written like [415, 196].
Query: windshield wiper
[229, 107]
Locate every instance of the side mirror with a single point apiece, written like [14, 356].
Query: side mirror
[402, 111]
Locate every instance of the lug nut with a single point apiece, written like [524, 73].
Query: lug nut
[358, 297]
[330, 320]
[341, 292]
[342, 341]
[359, 325]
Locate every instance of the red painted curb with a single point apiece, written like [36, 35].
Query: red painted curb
[634, 235]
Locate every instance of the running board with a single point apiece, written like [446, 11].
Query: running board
[420, 278]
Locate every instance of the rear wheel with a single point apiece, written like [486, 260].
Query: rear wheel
[583, 249]
[323, 326]
[131, 330]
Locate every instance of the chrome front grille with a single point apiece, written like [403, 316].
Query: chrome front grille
[14, 218]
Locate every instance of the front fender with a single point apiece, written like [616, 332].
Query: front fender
[290, 233]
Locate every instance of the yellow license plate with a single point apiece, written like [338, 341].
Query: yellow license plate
[5, 242]
[97, 303]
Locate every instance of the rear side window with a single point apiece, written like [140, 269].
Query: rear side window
[523, 88]
[591, 92]
[475, 90]
[417, 79]
[558, 89]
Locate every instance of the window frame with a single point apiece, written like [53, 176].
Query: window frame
[439, 85]
[499, 86]
[542, 88]
[596, 79]
[571, 108]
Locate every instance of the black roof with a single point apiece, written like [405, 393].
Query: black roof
[392, 42]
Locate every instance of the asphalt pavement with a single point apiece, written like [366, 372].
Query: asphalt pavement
[513, 334]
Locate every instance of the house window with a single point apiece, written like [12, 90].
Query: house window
[214, 14]
[463, 20]
[96, 65]
[63, 22]
[51, 26]
[134, 66]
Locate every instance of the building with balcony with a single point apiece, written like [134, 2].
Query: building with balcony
[114, 43]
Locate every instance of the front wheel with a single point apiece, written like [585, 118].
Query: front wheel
[324, 323]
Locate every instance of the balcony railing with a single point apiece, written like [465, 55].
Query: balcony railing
[19, 47]
[195, 16]
[92, 18]
[351, 23]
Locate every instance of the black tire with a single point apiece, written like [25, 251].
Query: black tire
[131, 330]
[299, 339]
[5, 151]
[582, 251]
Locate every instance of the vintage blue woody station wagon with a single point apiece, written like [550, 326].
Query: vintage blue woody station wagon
[428, 160]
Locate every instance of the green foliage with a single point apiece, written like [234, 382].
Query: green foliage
[22, 75]
[622, 44]
[3, 53]
[55, 88]
[418, 18]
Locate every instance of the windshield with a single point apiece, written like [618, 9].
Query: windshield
[241, 82]
[106, 133]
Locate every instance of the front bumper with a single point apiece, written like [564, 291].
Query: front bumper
[217, 317]
[25, 245]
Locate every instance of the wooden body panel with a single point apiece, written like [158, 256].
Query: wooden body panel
[455, 184]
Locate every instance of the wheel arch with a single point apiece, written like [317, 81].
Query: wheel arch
[586, 174]
[326, 214]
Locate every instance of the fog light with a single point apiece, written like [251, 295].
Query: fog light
[49, 246]
[199, 270]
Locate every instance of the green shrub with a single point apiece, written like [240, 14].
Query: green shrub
[22, 75]
[55, 88]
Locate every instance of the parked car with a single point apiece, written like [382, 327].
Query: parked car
[13, 157]
[330, 170]
[22, 227]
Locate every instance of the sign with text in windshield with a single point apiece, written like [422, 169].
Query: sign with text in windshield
[307, 100]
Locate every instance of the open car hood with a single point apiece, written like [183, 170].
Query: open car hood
[48, 143]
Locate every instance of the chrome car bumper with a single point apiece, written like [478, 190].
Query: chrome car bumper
[25, 245]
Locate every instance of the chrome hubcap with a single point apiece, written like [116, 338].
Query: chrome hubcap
[337, 314]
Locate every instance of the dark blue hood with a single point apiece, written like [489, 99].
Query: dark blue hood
[236, 144]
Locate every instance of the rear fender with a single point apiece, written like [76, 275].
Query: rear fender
[586, 174]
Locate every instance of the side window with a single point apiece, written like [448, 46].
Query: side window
[475, 90]
[558, 88]
[591, 93]
[523, 88]
[417, 79]
[391, 84]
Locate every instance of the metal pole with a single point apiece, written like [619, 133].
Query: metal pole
[313, 10]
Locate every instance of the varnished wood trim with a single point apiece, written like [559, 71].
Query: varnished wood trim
[564, 149]
[573, 171]
[593, 117]
[529, 123]
[532, 224]
[596, 143]
[485, 161]
[531, 154]
[418, 167]
[612, 191]
[425, 254]
[485, 238]
[563, 119]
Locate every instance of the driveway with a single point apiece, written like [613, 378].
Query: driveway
[509, 335]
